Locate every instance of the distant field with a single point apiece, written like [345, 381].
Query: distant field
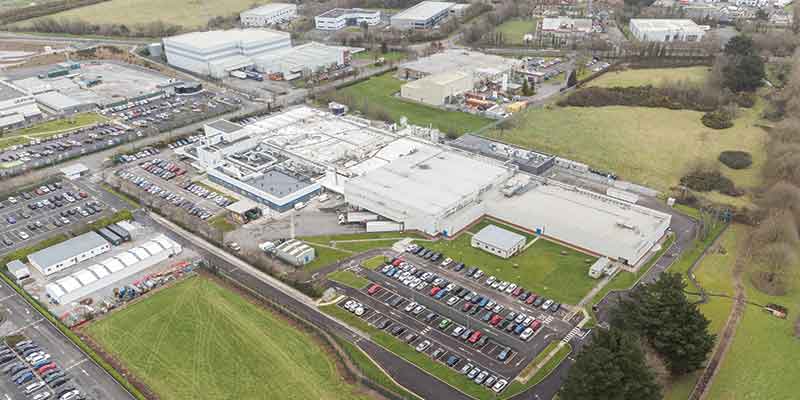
[541, 268]
[514, 30]
[187, 13]
[651, 76]
[380, 90]
[649, 146]
[198, 340]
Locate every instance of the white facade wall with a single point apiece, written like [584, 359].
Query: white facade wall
[665, 30]
[503, 253]
[274, 13]
[68, 262]
[435, 89]
[334, 22]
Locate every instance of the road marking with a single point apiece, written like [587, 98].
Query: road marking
[14, 332]
[75, 365]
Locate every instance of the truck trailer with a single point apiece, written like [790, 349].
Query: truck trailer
[357, 217]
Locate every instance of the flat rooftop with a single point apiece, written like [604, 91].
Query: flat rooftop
[661, 24]
[588, 220]
[57, 101]
[225, 126]
[498, 237]
[279, 183]
[214, 39]
[338, 12]
[67, 249]
[432, 179]
[267, 9]
[500, 150]
[460, 60]
[9, 92]
[424, 10]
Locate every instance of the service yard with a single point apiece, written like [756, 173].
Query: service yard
[198, 339]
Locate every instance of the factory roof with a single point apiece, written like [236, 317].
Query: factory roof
[242, 206]
[213, 39]
[424, 10]
[500, 238]
[661, 24]
[279, 183]
[268, 9]
[307, 55]
[225, 126]
[18, 269]
[441, 78]
[459, 60]
[430, 181]
[67, 249]
[567, 24]
[9, 91]
[57, 101]
[338, 12]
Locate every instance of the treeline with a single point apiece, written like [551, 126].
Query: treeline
[44, 8]
[675, 96]
[74, 26]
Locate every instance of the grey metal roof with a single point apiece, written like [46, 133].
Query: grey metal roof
[67, 249]
[498, 237]
[225, 126]
[279, 183]
[16, 266]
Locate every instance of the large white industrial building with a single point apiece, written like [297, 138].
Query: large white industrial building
[666, 30]
[268, 14]
[423, 15]
[217, 53]
[111, 270]
[68, 253]
[479, 65]
[339, 18]
[16, 107]
[435, 89]
[303, 59]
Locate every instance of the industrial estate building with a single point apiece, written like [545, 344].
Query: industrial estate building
[94, 277]
[217, 53]
[566, 25]
[68, 253]
[424, 15]
[498, 241]
[17, 107]
[666, 30]
[295, 252]
[268, 14]
[339, 18]
[436, 89]
[303, 60]
[479, 65]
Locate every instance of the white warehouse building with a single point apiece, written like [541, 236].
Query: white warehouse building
[435, 89]
[111, 270]
[309, 57]
[268, 14]
[498, 241]
[339, 18]
[217, 53]
[424, 15]
[295, 252]
[68, 253]
[666, 30]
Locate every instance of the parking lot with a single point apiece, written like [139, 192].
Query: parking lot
[79, 371]
[34, 215]
[159, 111]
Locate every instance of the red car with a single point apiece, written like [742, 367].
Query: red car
[531, 298]
[435, 290]
[83, 195]
[517, 292]
[536, 325]
[475, 337]
[45, 368]
[397, 262]
[373, 289]
[495, 320]
[467, 306]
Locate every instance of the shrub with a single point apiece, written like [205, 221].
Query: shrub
[705, 179]
[717, 119]
[736, 159]
[675, 98]
[745, 99]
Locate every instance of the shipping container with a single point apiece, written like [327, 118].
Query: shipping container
[110, 236]
[354, 217]
[384, 226]
[120, 231]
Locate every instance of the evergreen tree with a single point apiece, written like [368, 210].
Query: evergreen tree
[674, 327]
[611, 367]
[573, 79]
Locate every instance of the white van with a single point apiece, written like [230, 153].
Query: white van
[299, 206]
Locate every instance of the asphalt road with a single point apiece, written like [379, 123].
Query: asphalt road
[88, 377]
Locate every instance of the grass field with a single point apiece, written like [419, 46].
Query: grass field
[200, 340]
[348, 278]
[650, 146]
[374, 55]
[222, 223]
[541, 268]
[374, 262]
[371, 370]
[45, 130]
[348, 245]
[514, 30]
[651, 76]
[380, 91]
[12, 141]
[186, 13]
[518, 387]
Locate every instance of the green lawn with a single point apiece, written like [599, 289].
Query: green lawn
[541, 268]
[324, 257]
[348, 278]
[371, 370]
[187, 13]
[222, 223]
[651, 76]
[200, 340]
[762, 362]
[52, 128]
[650, 146]
[374, 262]
[514, 30]
[380, 91]
[372, 55]
[6, 142]
[347, 245]
[715, 274]
[435, 368]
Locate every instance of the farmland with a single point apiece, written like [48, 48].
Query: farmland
[541, 268]
[650, 146]
[381, 90]
[186, 13]
[201, 340]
